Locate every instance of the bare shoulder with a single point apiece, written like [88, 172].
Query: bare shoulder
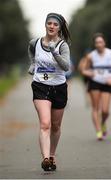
[87, 58]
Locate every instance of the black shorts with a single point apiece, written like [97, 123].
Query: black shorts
[92, 85]
[56, 94]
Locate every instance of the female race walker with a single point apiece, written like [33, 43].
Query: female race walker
[50, 57]
[97, 67]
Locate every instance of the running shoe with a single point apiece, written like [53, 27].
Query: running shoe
[46, 164]
[99, 135]
[53, 164]
[104, 129]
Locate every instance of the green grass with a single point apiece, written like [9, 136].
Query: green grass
[7, 82]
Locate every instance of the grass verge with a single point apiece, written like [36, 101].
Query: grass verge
[7, 82]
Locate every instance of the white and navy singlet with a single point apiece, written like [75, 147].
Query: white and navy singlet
[101, 64]
[47, 70]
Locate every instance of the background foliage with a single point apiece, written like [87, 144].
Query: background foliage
[14, 36]
[94, 17]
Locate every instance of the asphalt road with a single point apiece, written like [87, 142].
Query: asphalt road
[79, 154]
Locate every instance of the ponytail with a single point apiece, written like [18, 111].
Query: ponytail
[65, 32]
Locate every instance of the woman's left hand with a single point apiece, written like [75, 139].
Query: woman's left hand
[51, 46]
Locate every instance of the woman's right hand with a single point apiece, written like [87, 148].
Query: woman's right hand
[31, 69]
[88, 73]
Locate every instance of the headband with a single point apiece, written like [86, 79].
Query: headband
[56, 16]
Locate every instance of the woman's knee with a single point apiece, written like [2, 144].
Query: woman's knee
[45, 126]
[95, 109]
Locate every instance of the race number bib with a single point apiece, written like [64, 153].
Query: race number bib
[45, 74]
[102, 75]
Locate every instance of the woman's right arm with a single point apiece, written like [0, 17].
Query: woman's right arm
[31, 50]
[85, 66]
[31, 54]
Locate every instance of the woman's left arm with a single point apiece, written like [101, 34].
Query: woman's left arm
[62, 58]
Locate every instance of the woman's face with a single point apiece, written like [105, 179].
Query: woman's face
[52, 27]
[100, 43]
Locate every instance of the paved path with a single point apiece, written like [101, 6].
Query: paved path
[79, 155]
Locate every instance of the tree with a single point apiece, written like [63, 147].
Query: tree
[94, 17]
[90, 2]
[14, 35]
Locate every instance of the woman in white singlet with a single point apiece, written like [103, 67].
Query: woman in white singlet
[97, 67]
[50, 59]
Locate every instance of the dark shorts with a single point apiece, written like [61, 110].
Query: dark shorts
[56, 94]
[92, 85]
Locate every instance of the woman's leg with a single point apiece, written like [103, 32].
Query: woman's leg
[105, 106]
[56, 119]
[95, 99]
[43, 108]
